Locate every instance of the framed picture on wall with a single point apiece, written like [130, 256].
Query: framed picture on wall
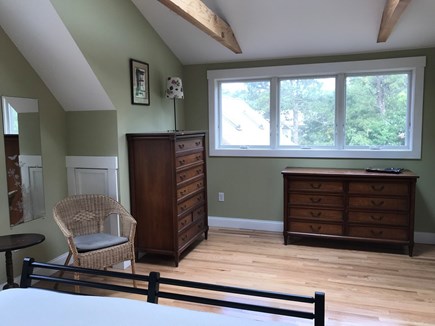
[140, 82]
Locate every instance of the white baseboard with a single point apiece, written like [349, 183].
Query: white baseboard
[242, 223]
[277, 226]
[424, 237]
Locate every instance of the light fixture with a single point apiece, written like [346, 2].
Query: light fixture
[174, 90]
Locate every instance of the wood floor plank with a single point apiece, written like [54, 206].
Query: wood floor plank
[364, 284]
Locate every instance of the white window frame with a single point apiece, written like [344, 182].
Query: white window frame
[415, 65]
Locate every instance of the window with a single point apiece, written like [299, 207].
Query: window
[10, 119]
[361, 109]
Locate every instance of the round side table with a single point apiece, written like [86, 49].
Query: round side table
[11, 242]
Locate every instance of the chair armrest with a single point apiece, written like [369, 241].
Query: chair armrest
[127, 225]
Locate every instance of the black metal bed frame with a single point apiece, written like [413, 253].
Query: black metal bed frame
[33, 271]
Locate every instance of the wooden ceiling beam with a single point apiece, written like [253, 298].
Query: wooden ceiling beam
[392, 11]
[197, 13]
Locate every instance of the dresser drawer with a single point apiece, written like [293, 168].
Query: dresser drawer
[316, 214]
[379, 218]
[189, 174]
[190, 203]
[190, 233]
[189, 159]
[190, 189]
[199, 213]
[378, 233]
[379, 188]
[316, 228]
[183, 145]
[315, 185]
[185, 221]
[316, 200]
[379, 203]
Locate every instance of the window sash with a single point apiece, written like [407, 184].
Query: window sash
[414, 65]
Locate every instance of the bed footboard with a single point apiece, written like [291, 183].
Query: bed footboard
[35, 271]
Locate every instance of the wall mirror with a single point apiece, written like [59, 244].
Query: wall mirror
[22, 139]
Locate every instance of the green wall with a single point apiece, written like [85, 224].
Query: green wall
[91, 133]
[18, 79]
[108, 39]
[253, 186]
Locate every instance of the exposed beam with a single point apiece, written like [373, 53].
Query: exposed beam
[197, 13]
[392, 12]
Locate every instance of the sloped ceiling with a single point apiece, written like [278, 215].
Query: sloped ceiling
[42, 38]
[264, 29]
[293, 28]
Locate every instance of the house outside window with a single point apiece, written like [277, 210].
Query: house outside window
[360, 109]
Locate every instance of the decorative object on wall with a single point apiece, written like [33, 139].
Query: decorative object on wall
[140, 82]
[174, 90]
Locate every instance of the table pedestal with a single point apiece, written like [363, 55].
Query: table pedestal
[9, 272]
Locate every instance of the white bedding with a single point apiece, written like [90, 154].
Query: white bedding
[41, 307]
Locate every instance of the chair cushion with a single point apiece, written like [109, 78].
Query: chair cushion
[97, 241]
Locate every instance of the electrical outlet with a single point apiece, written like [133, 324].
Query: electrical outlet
[221, 196]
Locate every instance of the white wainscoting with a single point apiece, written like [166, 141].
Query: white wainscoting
[95, 175]
[32, 187]
[277, 226]
[92, 174]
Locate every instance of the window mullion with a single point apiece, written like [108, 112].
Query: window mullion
[340, 110]
[274, 112]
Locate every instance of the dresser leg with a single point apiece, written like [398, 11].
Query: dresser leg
[285, 239]
[410, 249]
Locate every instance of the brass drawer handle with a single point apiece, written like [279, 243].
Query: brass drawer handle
[182, 162]
[184, 207]
[377, 218]
[315, 200]
[180, 146]
[315, 186]
[198, 143]
[182, 176]
[377, 204]
[376, 233]
[198, 171]
[377, 188]
[315, 229]
[199, 185]
[198, 157]
[182, 192]
[184, 238]
[183, 223]
[315, 214]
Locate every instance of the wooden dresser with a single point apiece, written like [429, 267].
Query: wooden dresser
[168, 190]
[349, 204]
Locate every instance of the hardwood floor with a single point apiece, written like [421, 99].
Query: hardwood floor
[374, 286]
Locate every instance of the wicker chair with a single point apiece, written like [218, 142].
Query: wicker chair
[81, 219]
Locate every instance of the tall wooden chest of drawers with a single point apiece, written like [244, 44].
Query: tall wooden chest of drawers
[350, 204]
[168, 190]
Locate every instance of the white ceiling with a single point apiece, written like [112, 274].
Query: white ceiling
[269, 29]
[265, 29]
